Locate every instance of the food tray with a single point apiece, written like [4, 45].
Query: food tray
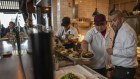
[76, 60]
[67, 57]
[83, 70]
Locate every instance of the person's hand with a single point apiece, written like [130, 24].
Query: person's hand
[22, 34]
[109, 51]
[65, 41]
[83, 51]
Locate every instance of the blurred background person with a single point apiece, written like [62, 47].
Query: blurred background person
[10, 32]
[2, 30]
[29, 29]
[29, 25]
[11, 28]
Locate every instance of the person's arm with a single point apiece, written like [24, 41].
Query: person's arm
[2, 31]
[6, 32]
[84, 46]
[110, 42]
[58, 34]
[87, 40]
[110, 38]
[126, 47]
[73, 40]
[21, 29]
[58, 39]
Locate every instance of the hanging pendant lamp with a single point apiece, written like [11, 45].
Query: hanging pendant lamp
[96, 11]
[137, 7]
[113, 9]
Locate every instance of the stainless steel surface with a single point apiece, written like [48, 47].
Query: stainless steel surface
[83, 70]
[9, 46]
[10, 67]
[94, 72]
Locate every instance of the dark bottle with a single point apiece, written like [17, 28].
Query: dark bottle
[42, 54]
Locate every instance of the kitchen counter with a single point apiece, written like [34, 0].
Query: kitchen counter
[79, 69]
[10, 68]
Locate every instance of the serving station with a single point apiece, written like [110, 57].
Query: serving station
[18, 63]
[63, 63]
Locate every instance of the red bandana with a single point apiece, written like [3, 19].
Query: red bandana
[103, 32]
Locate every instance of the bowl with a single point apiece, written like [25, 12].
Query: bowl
[75, 56]
[87, 56]
[80, 76]
[86, 59]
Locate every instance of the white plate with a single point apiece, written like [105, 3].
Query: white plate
[77, 74]
[86, 59]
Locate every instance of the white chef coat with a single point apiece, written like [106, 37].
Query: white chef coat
[62, 33]
[98, 45]
[125, 47]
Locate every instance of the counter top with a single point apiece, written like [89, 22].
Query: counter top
[10, 67]
[80, 69]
